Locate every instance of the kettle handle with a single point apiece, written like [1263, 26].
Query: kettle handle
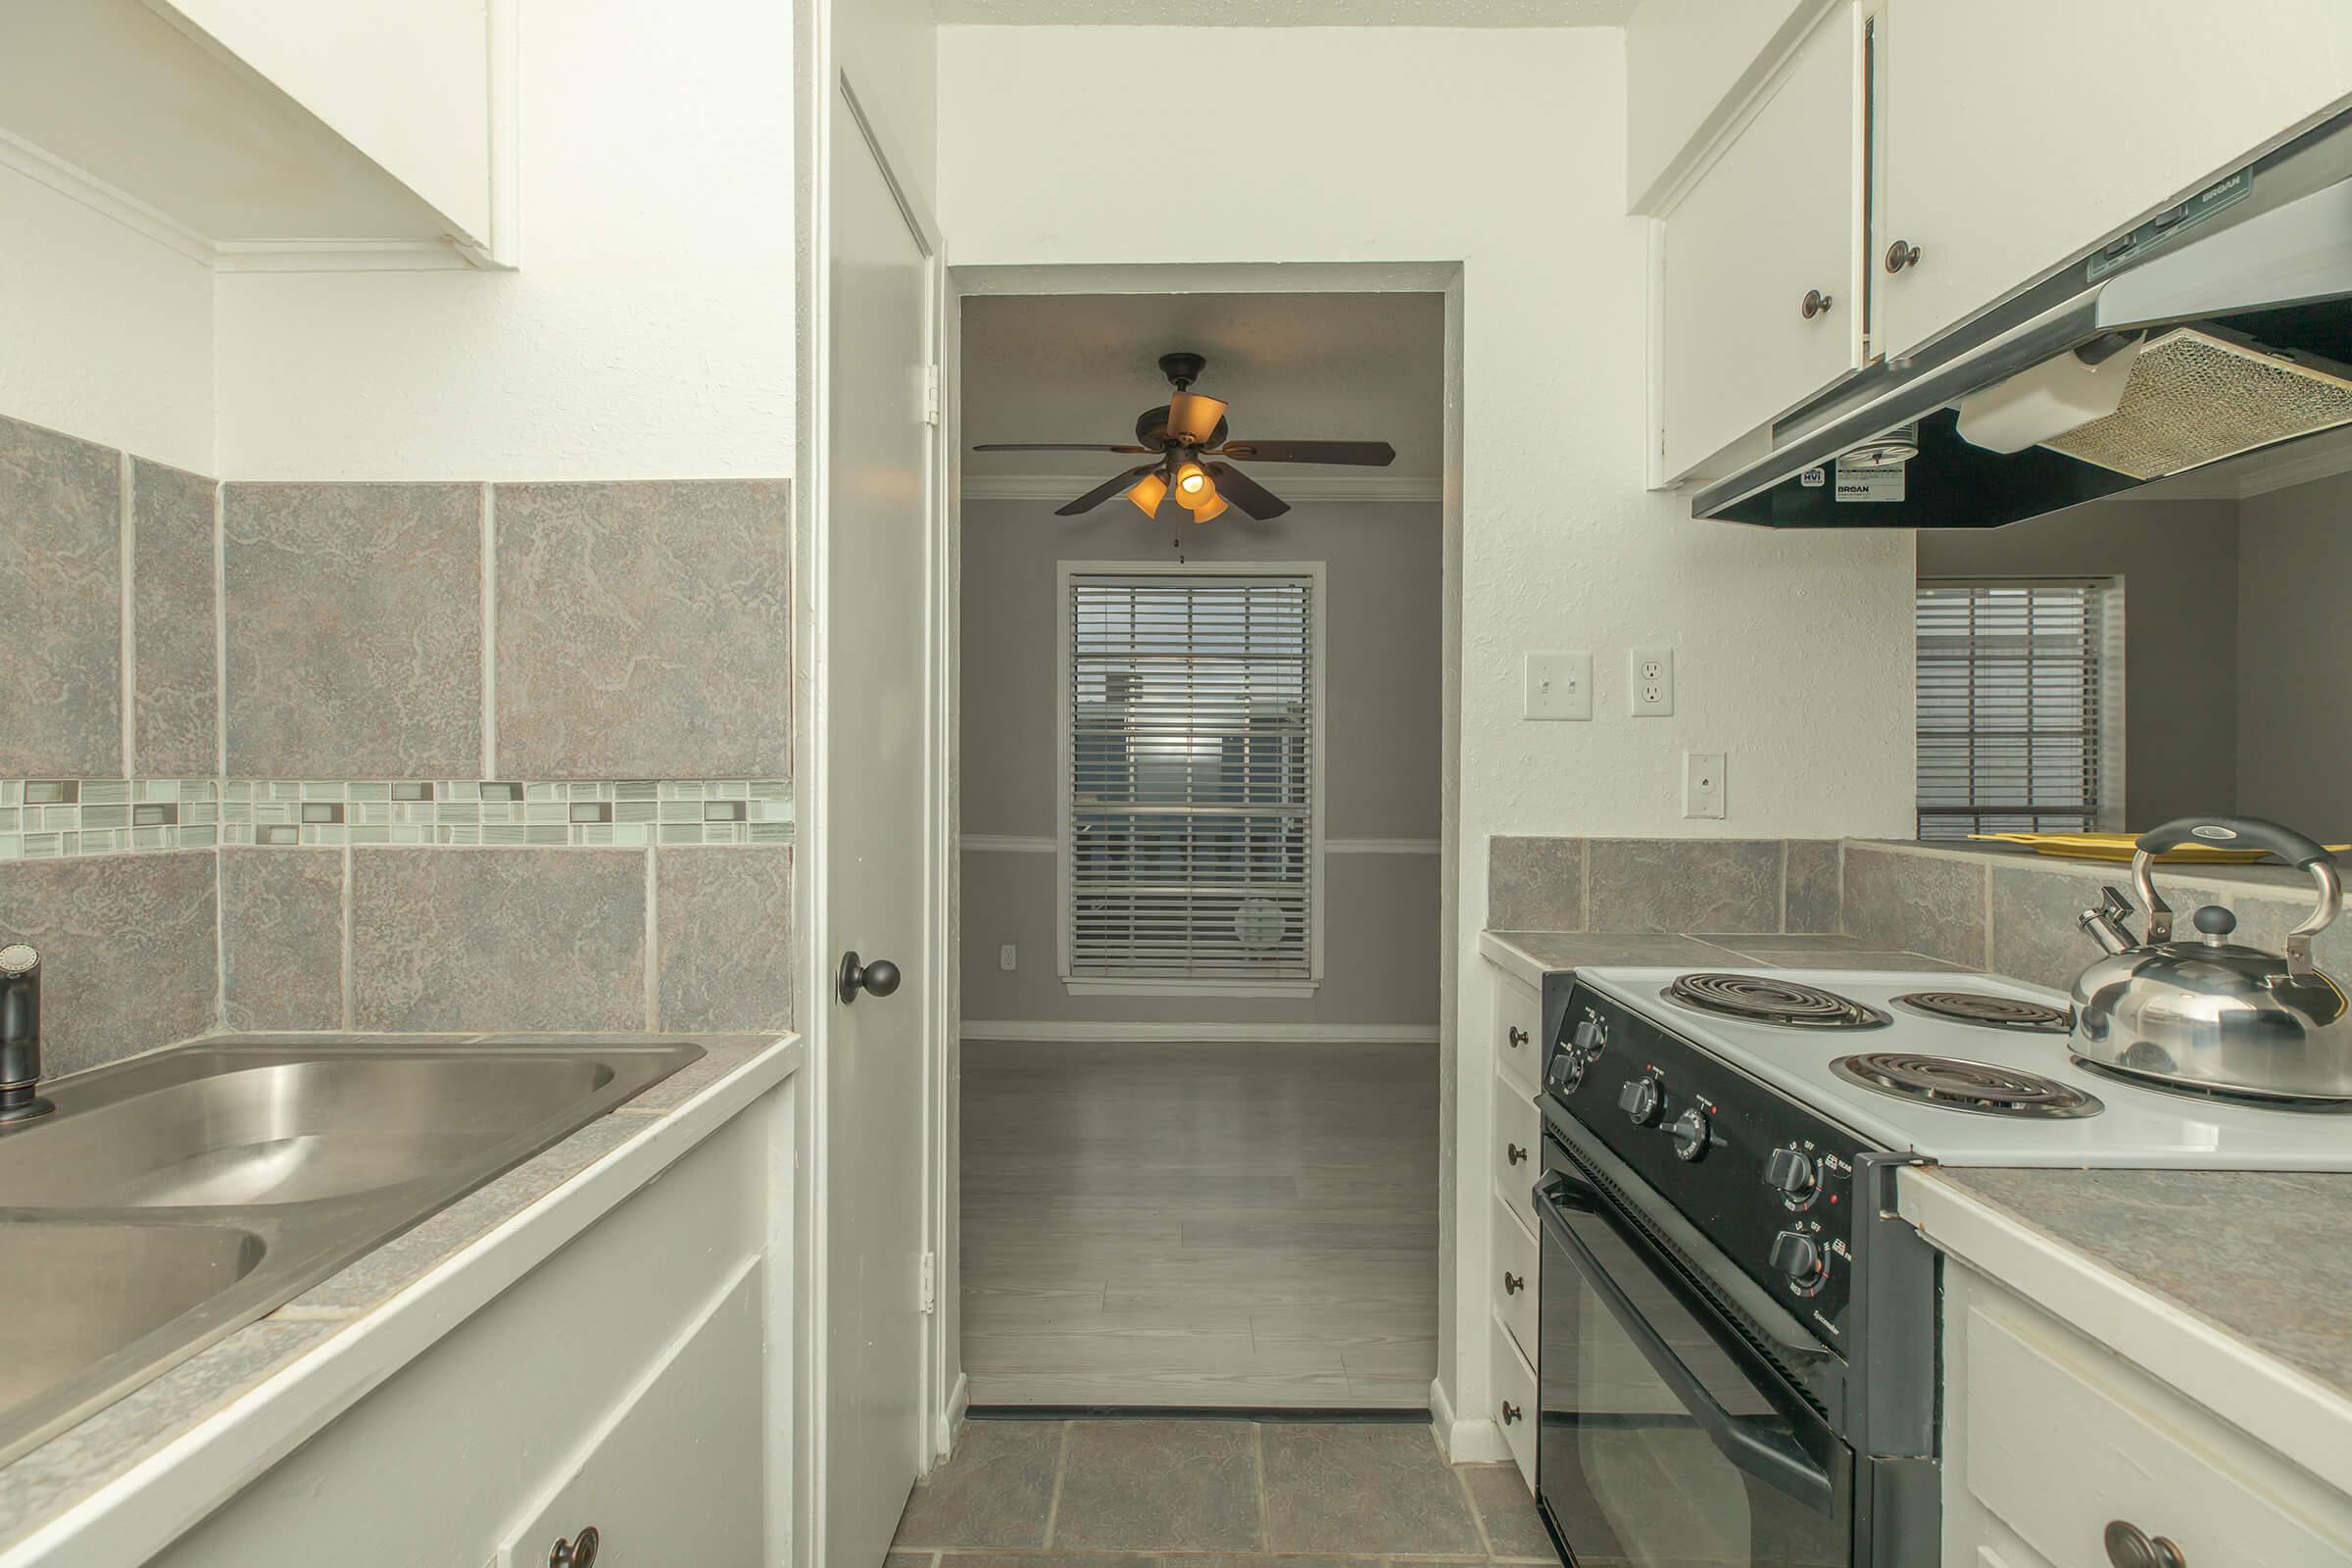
[2240, 832]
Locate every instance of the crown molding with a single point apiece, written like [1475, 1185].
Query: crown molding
[1302, 485]
[45, 167]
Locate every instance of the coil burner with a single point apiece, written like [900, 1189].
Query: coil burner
[1998, 1012]
[1960, 1084]
[1788, 1003]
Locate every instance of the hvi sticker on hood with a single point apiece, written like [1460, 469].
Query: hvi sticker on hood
[1870, 481]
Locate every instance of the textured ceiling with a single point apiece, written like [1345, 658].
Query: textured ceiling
[1326, 366]
[1291, 12]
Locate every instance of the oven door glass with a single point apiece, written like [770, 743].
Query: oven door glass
[1665, 1437]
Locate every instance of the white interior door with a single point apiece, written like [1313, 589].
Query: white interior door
[877, 569]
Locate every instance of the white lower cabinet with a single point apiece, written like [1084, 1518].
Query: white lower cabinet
[1518, 1147]
[1515, 1401]
[623, 1384]
[1518, 1266]
[2052, 1441]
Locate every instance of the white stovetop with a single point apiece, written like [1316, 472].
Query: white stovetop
[2140, 1126]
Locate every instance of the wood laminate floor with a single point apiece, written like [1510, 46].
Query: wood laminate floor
[1198, 1224]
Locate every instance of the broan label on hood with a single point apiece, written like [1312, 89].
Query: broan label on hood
[1870, 481]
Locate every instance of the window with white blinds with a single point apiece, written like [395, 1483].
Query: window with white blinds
[1190, 778]
[2013, 702]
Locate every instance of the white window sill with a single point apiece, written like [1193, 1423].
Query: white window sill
[1105, 987]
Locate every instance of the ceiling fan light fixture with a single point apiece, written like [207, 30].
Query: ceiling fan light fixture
[1193, 417]
[1193, 484]
[1213, 508]
[1147, 493]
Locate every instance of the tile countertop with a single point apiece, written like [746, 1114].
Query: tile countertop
[2232, 1287]
[1529, 956]
[207, 1426]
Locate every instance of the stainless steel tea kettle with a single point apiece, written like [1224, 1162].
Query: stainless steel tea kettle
[2211, 1014]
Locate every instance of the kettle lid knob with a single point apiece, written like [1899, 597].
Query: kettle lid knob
[2214, 922]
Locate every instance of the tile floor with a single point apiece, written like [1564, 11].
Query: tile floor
[1213, 1493]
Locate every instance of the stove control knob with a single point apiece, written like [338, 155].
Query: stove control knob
[1690, 1134]
[1799, 1257]
[1588, 1038]
[1792, 1173]
[1639, 1098]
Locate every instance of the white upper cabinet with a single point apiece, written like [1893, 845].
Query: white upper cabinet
[1758, 281]
[2020, 135]
[272, 133]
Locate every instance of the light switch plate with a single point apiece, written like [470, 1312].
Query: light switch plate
[1009, 958]
[1560, 685]
[1702, 784]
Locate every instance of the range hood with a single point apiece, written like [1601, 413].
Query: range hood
[2214, 338]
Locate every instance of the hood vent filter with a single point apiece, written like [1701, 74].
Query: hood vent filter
[2198, 396]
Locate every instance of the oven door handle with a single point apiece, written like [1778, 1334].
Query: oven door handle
[1771, 1456]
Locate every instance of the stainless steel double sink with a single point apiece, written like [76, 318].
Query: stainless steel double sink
[173, 1198]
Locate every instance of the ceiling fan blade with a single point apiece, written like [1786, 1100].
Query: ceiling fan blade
[1054, 446]
[1104, 491]
[1361, 454]
[1247, 493]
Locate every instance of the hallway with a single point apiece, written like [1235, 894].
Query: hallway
[1213, 1493]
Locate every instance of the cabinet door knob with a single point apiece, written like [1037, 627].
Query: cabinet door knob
[1815, 303]
[1902, 253]
[578, 1552]
[2130, 1547]
[1511, 1412]
[1517, 1037]
[1516, 1154]
[1513, 1284]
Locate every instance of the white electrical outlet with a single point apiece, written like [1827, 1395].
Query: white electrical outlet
[1560, 685]
[1009, 956]
[1702, 784]
[1649, 682]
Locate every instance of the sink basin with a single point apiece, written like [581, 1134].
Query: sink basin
[174, 1197]
[80, 1292]
[245, 1132]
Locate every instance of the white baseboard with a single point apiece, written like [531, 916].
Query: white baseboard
[950, 1419]
[1400, 1034]
[1473, 1442]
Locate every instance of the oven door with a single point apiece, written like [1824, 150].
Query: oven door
[1665, 1437]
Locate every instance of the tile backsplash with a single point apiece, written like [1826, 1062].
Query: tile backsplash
[270, 719]
[1751, 886]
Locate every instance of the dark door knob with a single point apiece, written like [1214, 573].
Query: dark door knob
[2130, 1547]
[1517, 1037]
[879, 978]
[1516, 1154]
[578, 1552]
[1815, 303]
[1902, 253]
[1513, 1284]
[1511, 1412]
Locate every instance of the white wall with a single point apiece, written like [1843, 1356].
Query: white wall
[1691, 65]
[1506, 151]
[651, 332]
[104, 334]
[404, 81]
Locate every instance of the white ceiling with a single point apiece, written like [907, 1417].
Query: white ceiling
[1292, 12]
[1293, 366]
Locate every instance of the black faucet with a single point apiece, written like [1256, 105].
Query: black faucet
[20, 1034]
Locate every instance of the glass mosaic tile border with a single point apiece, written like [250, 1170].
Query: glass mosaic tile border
[47, 818]
[43, 819]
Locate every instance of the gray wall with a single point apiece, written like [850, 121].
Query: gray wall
[2294, 658]
[1381, 766]
[2179, 562]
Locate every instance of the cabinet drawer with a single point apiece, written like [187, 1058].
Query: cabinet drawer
[1517, 1267]
[1515, 1404]
[2062, 1440]
[1518, 1031]
[1519, 1127]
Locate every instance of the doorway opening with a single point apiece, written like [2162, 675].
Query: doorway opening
[1202, 911]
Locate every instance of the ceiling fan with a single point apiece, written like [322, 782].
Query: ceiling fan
[1187, 438]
